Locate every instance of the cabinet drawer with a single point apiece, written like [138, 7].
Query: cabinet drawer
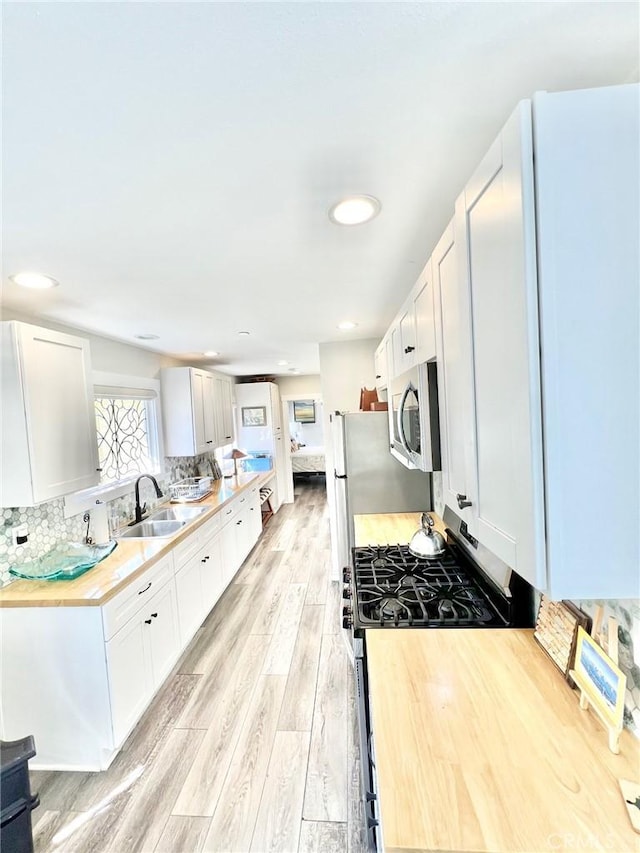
[187, 549]
[230, 511]
[211, 527]
[120, 609]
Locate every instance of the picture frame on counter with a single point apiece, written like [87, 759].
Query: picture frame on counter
[254, 416]
[556, 632]
[602, 684]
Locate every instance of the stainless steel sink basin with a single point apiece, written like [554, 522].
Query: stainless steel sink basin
[152, 529]
[178, 513]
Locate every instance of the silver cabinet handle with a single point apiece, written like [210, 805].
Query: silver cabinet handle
[462, 501]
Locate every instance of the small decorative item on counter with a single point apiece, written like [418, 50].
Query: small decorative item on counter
[66, 561]
[601, 682]
[556, 630]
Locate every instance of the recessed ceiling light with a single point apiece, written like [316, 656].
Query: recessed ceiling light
[283, 363]
[211, 353]
[34, 280]
[244, 333]
[293, 370]
[355, 210]
[346, 325]
[147, 337]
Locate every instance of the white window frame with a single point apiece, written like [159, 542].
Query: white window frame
[88, 498]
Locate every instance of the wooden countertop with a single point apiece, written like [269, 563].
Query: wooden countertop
[480, 743]
[390, 528]
[129, 560]
[481, 746]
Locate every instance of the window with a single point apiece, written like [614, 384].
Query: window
[127, 432]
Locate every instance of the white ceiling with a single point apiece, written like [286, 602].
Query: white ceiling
[172, 164]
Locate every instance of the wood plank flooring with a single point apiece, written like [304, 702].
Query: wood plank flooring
[251, 744]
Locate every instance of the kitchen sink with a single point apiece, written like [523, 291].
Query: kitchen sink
[178, 513]
[152, 529]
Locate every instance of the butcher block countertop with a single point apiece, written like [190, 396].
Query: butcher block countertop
[480, 744]
[130, 559]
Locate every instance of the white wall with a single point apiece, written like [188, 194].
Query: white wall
[106, 354]
[345, 368]
[300, 387]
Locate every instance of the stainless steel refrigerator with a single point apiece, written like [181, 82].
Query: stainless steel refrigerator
[367, 479]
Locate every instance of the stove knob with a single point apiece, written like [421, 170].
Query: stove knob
[347, 617]
[346, 574]
[346, 592]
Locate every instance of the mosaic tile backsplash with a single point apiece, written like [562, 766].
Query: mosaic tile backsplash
[47, 525]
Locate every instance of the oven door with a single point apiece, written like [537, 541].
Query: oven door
[367, 762]
[413, 419]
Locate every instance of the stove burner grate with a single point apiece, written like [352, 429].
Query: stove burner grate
[392, 587]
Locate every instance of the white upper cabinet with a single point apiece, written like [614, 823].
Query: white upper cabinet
[380, 364]
[423, 309]
[588, 222]
[185, 398]
[454, 375]
[223, 410]
[49, 442]
[196, 411]
[495, 224]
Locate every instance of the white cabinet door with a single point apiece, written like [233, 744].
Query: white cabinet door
[212, 572]
[454, 379]
[255, 517]
[223, 411]
[407, 326]
[380, 365]
[495, 221]
[276, 409]
[160, 618]
[130, 677]
[198, 396]
[230, 562]
[209, 418]
[424, 317]
[49, 440]
[189, 597]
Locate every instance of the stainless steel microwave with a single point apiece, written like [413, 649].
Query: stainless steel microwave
[414, 428]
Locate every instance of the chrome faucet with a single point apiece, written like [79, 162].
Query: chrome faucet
[139, 509]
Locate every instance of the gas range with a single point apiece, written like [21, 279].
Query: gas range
[388, 587]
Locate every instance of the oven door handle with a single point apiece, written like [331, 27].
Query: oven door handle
[403, 438]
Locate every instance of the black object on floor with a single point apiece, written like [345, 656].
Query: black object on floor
[16, 800]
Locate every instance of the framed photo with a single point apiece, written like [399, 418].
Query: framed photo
[254, 416]
[304, 411]
[598, 676]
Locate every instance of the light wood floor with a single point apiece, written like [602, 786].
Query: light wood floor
[251, 745]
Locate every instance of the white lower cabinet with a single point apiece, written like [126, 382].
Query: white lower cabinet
[139, 656]
[130, 680]
[80, 678]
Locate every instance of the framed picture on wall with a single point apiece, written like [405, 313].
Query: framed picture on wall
[254, 416]
[304, 411]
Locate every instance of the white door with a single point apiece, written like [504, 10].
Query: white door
[212, 578]
[230, 562]
[209, 419]
[197, 401]
[130, 678]
[454, 380]
[190, 599]
[495, 221]
[61, 421]
[424, 318]
[160, 619]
